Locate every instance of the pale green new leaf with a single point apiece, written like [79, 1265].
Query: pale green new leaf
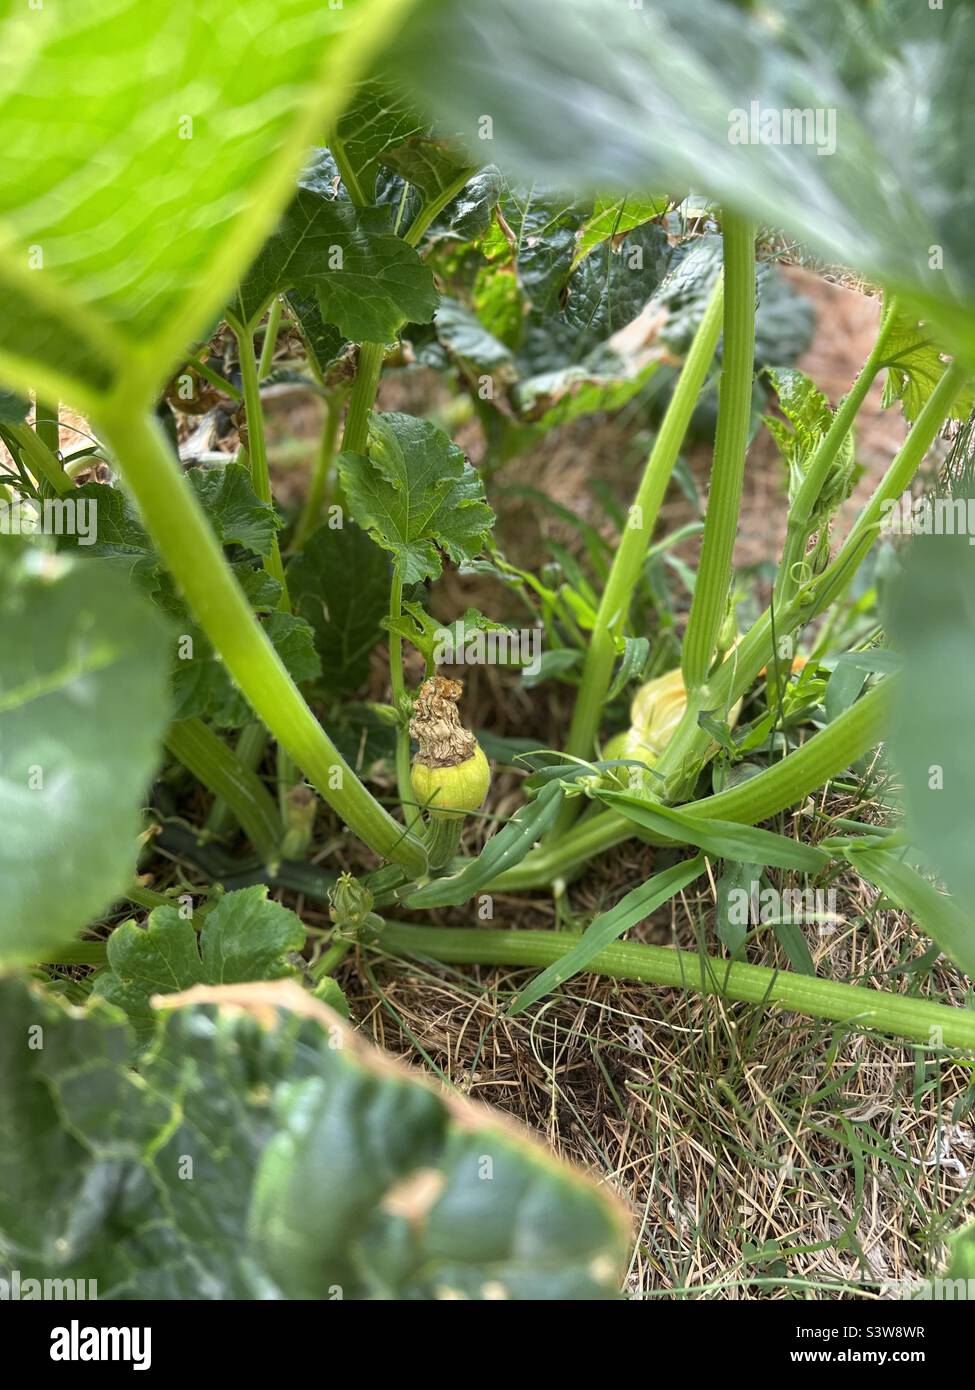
[915, 364]
[808, 417]
[416, 495]
[612, 216]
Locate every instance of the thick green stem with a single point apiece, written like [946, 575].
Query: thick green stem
[710, 600]
[782, 785]
[318, 486]
[628, 562]
[368, 372]
[899, 1015]
[189, 548]
[214, 764]
[690, 744]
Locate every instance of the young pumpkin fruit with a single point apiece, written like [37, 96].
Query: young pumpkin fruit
[450, 773]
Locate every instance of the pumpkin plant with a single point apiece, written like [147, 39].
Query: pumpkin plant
[326, 186]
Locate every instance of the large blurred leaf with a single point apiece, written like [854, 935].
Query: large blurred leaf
[932, 621]
[83, 704]
[620, 96]
[262, 1150]
[244, 937]
[416, 494]
[339, 583]
[147, 152]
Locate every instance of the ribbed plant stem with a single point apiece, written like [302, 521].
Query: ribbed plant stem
[688, 748]
[368, 372]
[856, 1005]
[731, 441]
[186, 542]
[628, 561]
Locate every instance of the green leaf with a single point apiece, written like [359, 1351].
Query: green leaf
[505, 849]
[617, 97]
[468, 216]
[743, 844]
[737, 879]
[324, 343]
[13, 408]
[939, 916]
[202, 685]
[808, 418]
[339, 584]
[466, 337]
[244, 937]
[367, 281]
[376, 120]
[148, 156]
[608, 927]
[614, 216]
[915, 364]
[236, 513]
[432, 165]
[83, 705]
[263, 1150]
[416, 495]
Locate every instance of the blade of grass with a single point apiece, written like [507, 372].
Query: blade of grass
[608, 927]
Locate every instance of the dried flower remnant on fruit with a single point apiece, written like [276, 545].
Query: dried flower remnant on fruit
[436, 726]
